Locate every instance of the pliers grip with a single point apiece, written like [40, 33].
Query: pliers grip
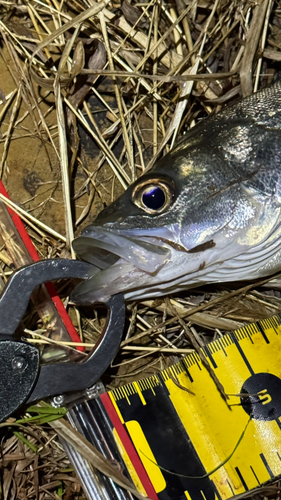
[22, 380]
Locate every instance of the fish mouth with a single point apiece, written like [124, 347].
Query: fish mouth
[143, 264]
[116, 256]
[103, 247]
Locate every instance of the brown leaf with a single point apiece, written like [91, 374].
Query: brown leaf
[78, 60]
[96, 62]
[132, 14]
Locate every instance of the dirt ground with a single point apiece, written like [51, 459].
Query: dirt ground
[31, 173]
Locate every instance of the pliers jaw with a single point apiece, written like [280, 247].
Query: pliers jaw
[22, 380]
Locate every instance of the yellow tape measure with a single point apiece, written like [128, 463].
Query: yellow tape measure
[180, 437]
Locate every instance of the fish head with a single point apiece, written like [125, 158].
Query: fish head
[158, 232]
[209, 211]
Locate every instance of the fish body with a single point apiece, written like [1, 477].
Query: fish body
[209, 211]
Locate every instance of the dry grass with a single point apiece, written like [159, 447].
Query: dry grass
[92, 94]
[40, 472]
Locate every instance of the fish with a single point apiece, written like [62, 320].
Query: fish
[207, 212]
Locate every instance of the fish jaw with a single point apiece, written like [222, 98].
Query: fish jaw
[119, 261]
[181, 270]
[103, 247]
[124, 259]
[143, 264]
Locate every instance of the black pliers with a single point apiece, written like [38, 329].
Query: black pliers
[22, 380]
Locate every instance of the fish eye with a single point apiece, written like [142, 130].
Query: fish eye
[153, 196]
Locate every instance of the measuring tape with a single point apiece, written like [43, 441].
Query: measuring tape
[180, 445]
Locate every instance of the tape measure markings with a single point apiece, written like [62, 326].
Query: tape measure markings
[242, 354]
[114, 414]
[261, 329]
[203, 426]
[256, 477]
[266, 465]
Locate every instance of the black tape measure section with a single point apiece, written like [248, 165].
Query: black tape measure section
[164, 432]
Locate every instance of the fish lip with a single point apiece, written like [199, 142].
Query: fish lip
[103, 247]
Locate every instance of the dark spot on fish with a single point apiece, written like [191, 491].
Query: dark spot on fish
[173, 244]
[203, 247]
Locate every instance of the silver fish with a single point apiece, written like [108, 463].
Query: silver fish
[209, 211]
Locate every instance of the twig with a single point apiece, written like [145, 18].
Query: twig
[37, 222]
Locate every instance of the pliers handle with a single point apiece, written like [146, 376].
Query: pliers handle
[22, 380]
